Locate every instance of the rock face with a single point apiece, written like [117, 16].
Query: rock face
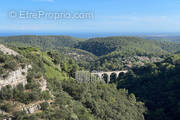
[19, 77]
[27, 109]
[8, 51]
[15, 78]
[3, 112]
[43, 84]
[32, 109]
[9, 118]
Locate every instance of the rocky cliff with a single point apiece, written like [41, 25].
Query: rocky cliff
[15, 78]
[8, 51]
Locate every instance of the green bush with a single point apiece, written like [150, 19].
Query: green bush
[44, 106]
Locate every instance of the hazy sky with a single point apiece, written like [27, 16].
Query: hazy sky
[109, 15]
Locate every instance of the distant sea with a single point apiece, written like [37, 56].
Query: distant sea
[86, 35]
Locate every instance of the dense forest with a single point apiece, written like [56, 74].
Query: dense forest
[117, 53]
[158, 86]
[42, 42]
[168, 43]
[131, 45]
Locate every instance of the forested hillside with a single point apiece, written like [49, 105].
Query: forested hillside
[171, 47]
[126, 45]
[164, 38]
[63, 44]
[167, 43]
[81, 57]
[122, 52]
[119, 60]
[109, 53]
[43, 42]
[153, 77]
[158, 86]
[64, 98]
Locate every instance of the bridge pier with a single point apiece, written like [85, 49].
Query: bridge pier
[100, 75]
[109, 77]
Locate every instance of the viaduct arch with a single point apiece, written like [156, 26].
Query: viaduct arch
[101, 74]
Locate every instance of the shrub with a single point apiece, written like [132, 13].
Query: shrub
[44, 105]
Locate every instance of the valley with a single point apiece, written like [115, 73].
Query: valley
[89, 60]
[132, 78]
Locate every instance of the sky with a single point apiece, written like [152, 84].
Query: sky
[105, 16]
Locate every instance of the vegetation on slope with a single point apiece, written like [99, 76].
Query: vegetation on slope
[114, 61]
[167, 43]
[115, 52]
[153, 82]
[118, 53]
[158, 86]
[81, 57]
[71, 99]
[164, 38]
[171, 47]
[43, 42]
[62, 44]
[10, 63]
[130, 45]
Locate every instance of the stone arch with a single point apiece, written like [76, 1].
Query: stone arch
[120, 74]
[113, 77]
[109, 76]
[105, 77]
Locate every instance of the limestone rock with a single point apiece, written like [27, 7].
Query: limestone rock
[15, 78]
[43, 84]
[8, 51]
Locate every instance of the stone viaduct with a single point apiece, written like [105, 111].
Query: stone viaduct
[101, 74]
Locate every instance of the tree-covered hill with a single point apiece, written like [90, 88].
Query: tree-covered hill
[130, 45]
[117, 53]
[63, 44]
[167, 43]
[77, 54]
[164, 38]
[119, 60]
[43, 42]
[168, 46]
[109, 53]
[97, 46]
[158, 86]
